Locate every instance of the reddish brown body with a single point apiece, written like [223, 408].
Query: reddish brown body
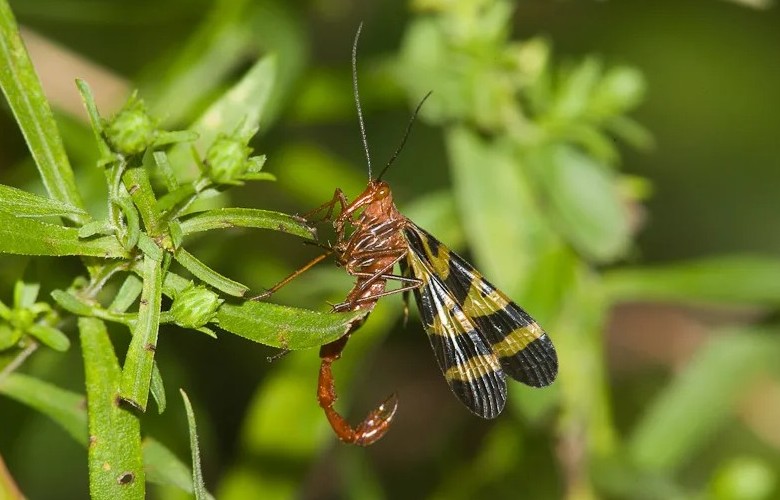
[369, 253]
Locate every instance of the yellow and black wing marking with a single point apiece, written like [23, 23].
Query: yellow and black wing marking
[478, 335]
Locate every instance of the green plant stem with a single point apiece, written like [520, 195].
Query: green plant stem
[18, 360]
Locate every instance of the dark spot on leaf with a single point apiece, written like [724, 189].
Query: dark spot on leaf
[125, 478]
[128, 404]
[150, 347]
[144, 302]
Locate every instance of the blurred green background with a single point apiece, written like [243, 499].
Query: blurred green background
[675, 394]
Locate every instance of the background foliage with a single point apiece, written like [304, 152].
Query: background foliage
[611, 165]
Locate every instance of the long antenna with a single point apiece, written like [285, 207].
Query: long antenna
[406, 135]
[357, 99]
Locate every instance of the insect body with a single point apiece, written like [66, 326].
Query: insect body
[478, 335]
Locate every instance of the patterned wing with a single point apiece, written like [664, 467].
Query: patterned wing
[523, 349]
[470, 368]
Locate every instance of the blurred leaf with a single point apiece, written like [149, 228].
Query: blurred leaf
[497, 457]
[64, 407]
[25, 96]
[175, 84]
[620, 89]
[50, 336]
[163, 467]
[576, 85]
[25, 294]
[245, 217]
[139, 362]
[285, 327]
[584, 201]
[197, 474]
[239, 110]
[23, 204]
[741, 279]
[744, 478]
[502, 221]
[127, 294]
[115, 457]
[32, 237]
[9, 490]
[435, 212]
[311, 175]
[700, 400]
[158, 388]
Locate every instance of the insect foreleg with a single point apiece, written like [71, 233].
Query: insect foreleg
[338, 197]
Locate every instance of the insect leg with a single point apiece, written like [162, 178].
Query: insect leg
[348, 306]
[376, 423]
[338, 197]
[267, 293]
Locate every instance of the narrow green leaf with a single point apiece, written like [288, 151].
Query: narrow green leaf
[25, 96]
[72, 304]
[25, 294]
[199, 486]
[158, 389]
[139, 186]
[132, 228]
[128, 292]
[743, 279]
[66, 408]
[246, 217]
[94, 118]
[90, 229]
[23, 236]
[165, 468]
[115, 457]
[239, 110]
[584, 202]
[208, 275]
[285, 327]
[258, 176]
[50, 336]
[83, 307]
[175, 201]
[23, 204]
[164, 167]
[704, 393]
[174, 284]
[139, 362]
[149, 247]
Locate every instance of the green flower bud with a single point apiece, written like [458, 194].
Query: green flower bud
[227, 159]
[195, 306]
[9, 337]
[131, 130]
